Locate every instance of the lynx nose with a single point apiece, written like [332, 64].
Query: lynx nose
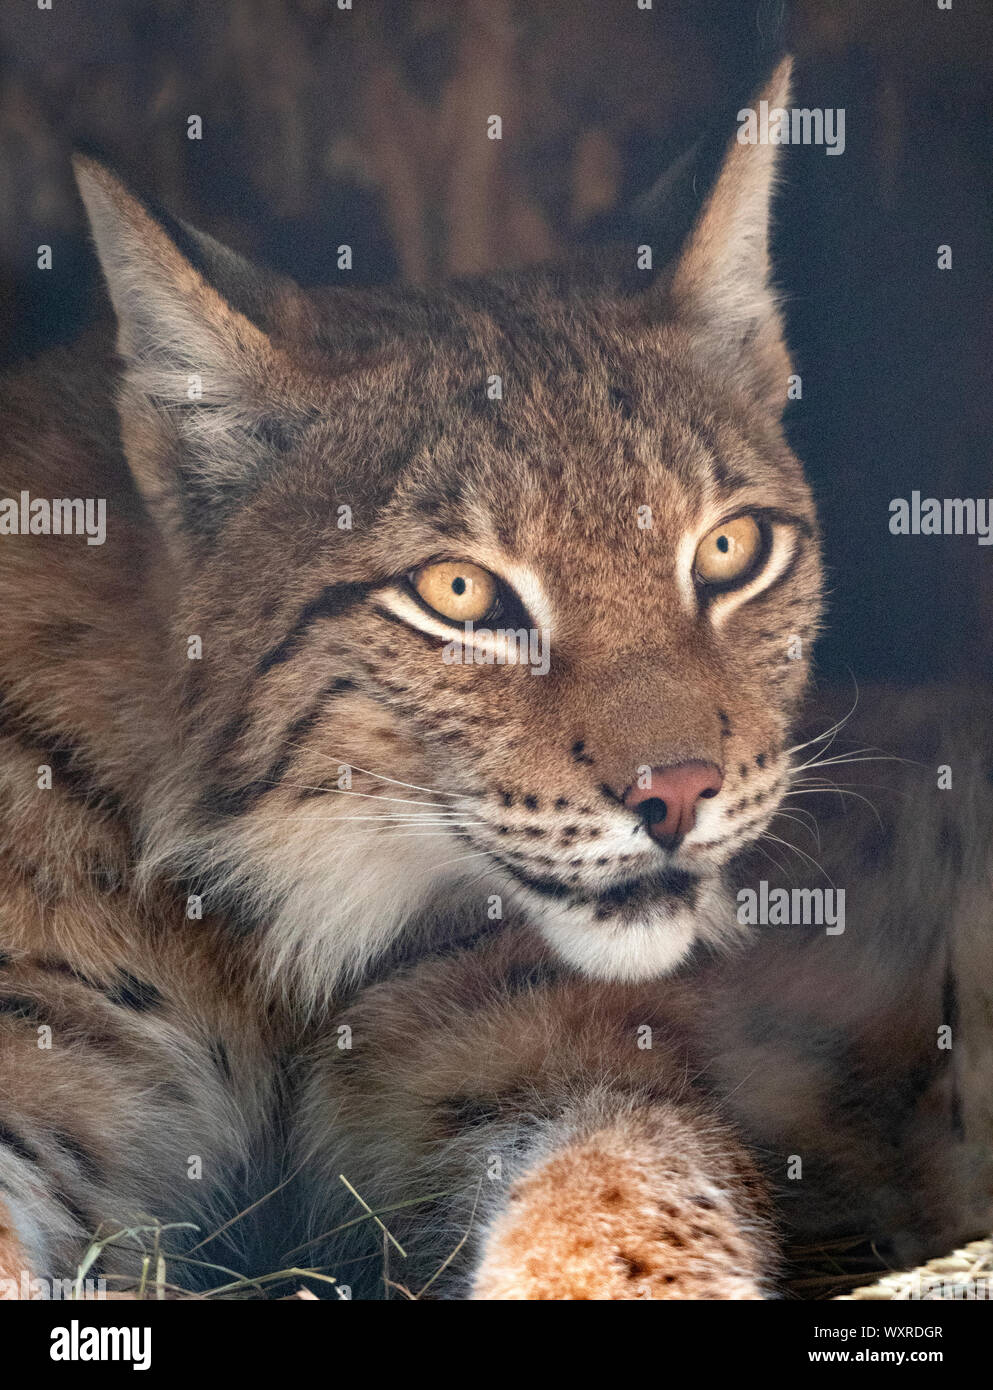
[668, 806]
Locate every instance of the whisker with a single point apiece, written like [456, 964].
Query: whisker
[392, 829]
[800, 812]
[819, 738]
[462, 858]
[394, 817]
[827, 784]
[812, 829]
[404, 825]
[779, 867]
[766, 835]
[423, 834]
[876, 758]
[340, 791]
[381, 776]
[818, 761]
[839, 791]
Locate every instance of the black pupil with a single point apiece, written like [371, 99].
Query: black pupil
[458, 586]
[723, 544]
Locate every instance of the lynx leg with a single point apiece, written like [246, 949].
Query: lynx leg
[112, 1125]
[521, 1144]
[631, 1210]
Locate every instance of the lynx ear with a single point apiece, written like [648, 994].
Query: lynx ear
[721, 284]
[200, 375]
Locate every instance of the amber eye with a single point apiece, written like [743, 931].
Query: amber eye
[456, 590]
[728, 552]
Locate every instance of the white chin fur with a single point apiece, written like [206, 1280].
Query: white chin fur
[644, 948]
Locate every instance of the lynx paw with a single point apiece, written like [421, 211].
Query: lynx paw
[602, 1221]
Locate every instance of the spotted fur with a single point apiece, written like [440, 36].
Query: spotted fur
[220, 692]
[577, 1131]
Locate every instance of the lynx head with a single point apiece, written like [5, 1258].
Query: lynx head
[527, 563]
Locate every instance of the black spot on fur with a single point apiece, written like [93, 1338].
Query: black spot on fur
[670, 1237]
[10, 1139]
[621, 401]
[137, 995]
[70, 770]
[332, 602]
[80, 1155]
[673, 883]
[728, 480]
[277, 435]
[54, 966]
[222, 1061]
[547, 887]
[529, 976]
[456, 1114]
[230, 734]
[236, 801]
[20, 1006]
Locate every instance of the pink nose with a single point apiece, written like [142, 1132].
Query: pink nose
[668, 805]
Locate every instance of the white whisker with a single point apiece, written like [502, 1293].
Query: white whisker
[395, 818]
[381, 776]
[423, 834]
[828, 733]
[812, 829]
[370, 796]
[838, 791]
[461, 859]
[766, 835]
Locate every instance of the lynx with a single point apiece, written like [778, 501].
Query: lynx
[521, 982]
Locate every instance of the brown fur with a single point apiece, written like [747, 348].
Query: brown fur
[189, 903]
[616, 1216]
[804, 1045]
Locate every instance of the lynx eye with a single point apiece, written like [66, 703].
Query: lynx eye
[456, 590]
[729, 552]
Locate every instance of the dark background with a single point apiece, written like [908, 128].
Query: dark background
[324, 126]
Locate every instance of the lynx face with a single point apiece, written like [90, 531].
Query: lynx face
[552, 645]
